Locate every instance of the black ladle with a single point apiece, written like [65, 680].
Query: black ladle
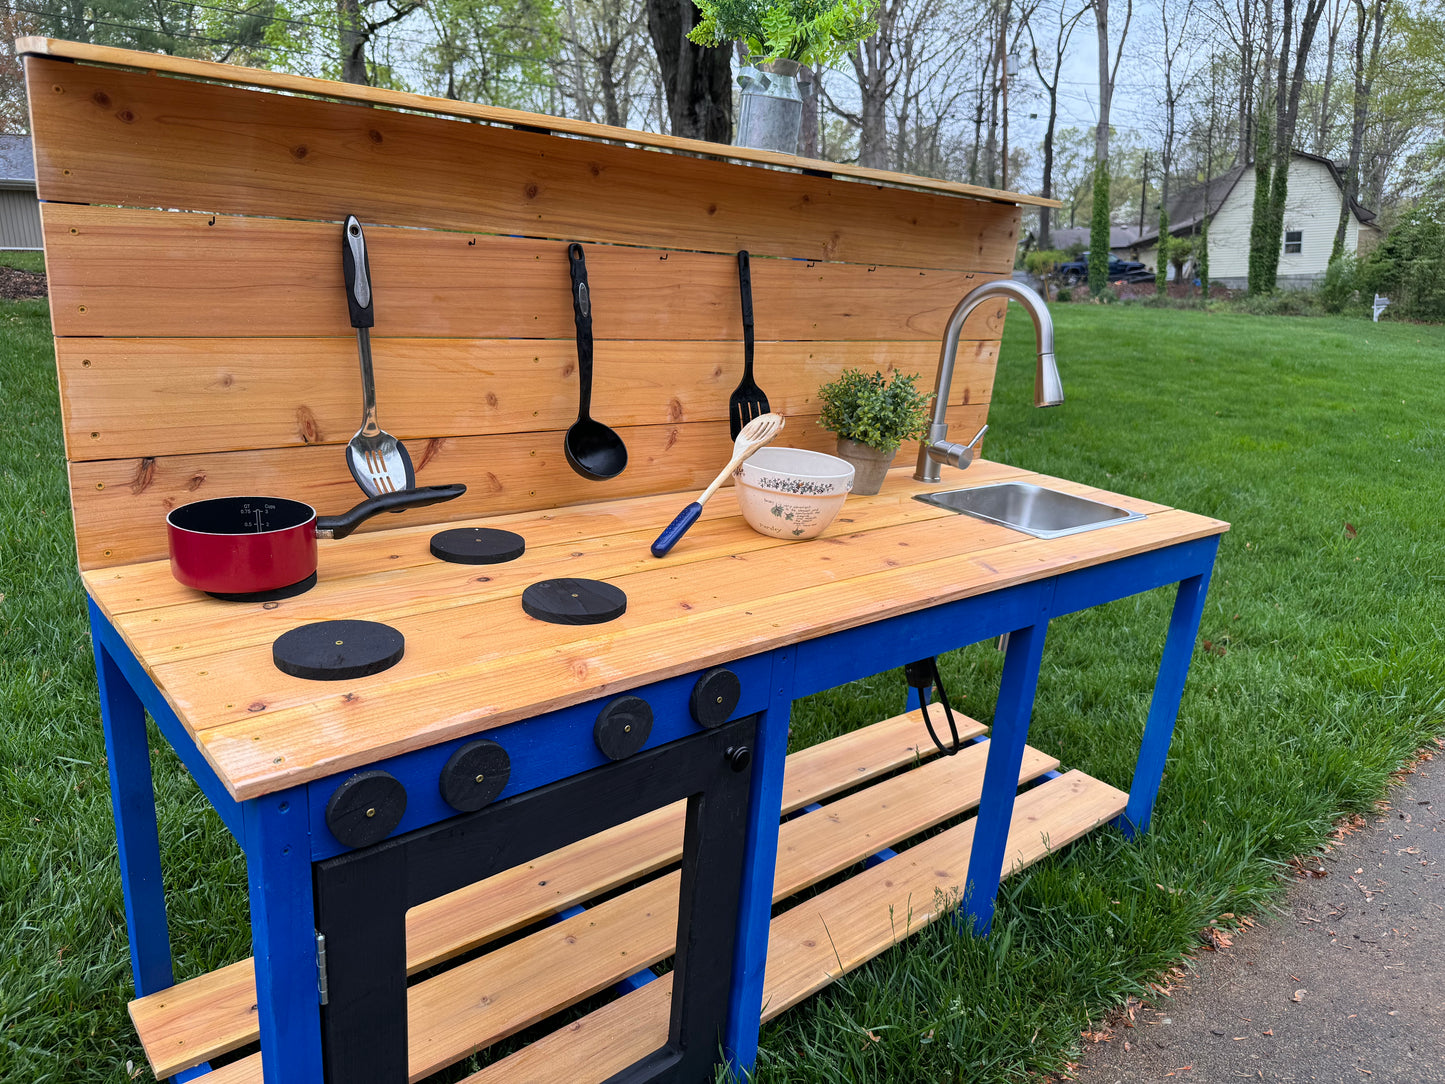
[593, 450]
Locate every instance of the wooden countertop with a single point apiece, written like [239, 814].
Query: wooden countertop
[474, 660]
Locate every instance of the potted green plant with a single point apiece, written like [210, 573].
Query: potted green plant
[780, 36]
[873, 416]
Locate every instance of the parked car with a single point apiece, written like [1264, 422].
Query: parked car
[1076, 271]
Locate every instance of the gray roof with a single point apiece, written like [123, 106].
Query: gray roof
[1119, 236]
[1189, 207]
[17, 161]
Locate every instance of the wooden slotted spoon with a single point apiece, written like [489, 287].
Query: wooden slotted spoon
[754, 435]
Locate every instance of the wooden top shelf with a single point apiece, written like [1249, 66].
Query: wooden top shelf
[475, 661]
[446, 107]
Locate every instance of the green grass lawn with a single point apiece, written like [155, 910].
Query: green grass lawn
[26, 261]
[1325, 670]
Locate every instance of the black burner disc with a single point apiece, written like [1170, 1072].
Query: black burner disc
[574, 602]
[477, 546]
[300, 587]
[338, 650]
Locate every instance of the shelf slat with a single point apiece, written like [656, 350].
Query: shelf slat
[853, 922]
[215, 1013]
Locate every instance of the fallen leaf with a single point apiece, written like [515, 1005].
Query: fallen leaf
[1350, 531]
[1299, 995]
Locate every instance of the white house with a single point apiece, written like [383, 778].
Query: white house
[1311, 214]
[19, 211]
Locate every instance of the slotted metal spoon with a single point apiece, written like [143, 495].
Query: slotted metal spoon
[377, 460]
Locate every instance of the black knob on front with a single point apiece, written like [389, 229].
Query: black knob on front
[622, 727]
[474, 775]
[366, 808]
[738, 757]
[715, 697]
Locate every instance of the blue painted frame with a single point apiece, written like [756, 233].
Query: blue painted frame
[284, 833]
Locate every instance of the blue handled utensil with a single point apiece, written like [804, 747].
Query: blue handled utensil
[753, 436]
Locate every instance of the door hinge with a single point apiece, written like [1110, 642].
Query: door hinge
[321, 987]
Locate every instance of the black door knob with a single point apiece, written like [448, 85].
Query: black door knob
[366, 808]
[739, 757]
[715, 697]
[622, 727]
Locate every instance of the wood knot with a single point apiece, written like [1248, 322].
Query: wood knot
[494, 484]
[579, 553]
[671, 440]
[299, 152]
[257, 706]
[594, 169]
[145, 474]
[712, 208]
[349, 698]
[531, 191]
[101, 98]
[374, 136]
[568, 369]
[306, 426]
[965, 396]
[126, 116]
[492, 399]
[197, 480]
[483, 579]
[431, 451]
[674, 409]
[579, 669]
[685, 605]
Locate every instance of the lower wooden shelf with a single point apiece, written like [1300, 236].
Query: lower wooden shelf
[550, 968]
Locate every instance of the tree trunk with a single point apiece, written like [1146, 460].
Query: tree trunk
[1099, 221]
[1323, 128]
[352, 41]
[696, 81]
[1048, 187]
[1364, 77]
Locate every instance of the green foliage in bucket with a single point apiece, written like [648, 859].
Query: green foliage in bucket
[812, 32]
[873, 410]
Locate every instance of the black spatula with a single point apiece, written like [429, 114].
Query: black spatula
[748, 401]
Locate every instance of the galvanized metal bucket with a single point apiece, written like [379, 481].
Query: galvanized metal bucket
[771, 110]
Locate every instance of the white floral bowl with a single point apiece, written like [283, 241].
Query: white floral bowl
[791, 492]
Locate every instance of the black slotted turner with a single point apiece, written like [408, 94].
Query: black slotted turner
[748, 401]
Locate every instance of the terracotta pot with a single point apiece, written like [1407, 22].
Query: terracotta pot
[870, 466]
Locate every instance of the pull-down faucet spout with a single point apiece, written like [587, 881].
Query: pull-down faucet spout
[1048, 391]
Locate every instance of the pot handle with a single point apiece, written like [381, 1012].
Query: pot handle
[342, 525]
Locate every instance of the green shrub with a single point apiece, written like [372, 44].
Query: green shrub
[1064, 294]
[1342, 284]
[1099, 232]
[869, 408]
[1106, 296]
[1280, 303]
[1408, 266]
[1041, 263]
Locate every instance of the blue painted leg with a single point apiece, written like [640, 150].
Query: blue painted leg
[283, 937]
[1164, 707]
[133, 803]
[1001, 773]
[750, 952]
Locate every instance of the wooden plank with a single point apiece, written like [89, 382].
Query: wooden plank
[120, 505]
[299, 734]
[124, 272]
[439, 593]
[257, 77]
[139, 139]
[128, 589]
[215, 1013]
[201, 1018]
[479, 647]
[128, 398]
[833, 933]
[862, 912]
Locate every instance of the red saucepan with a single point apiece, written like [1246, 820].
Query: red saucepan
[242, 545]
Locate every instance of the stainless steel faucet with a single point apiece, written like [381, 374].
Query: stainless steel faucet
[1048, 391]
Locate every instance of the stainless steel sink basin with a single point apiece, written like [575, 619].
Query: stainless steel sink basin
[1043, 513]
